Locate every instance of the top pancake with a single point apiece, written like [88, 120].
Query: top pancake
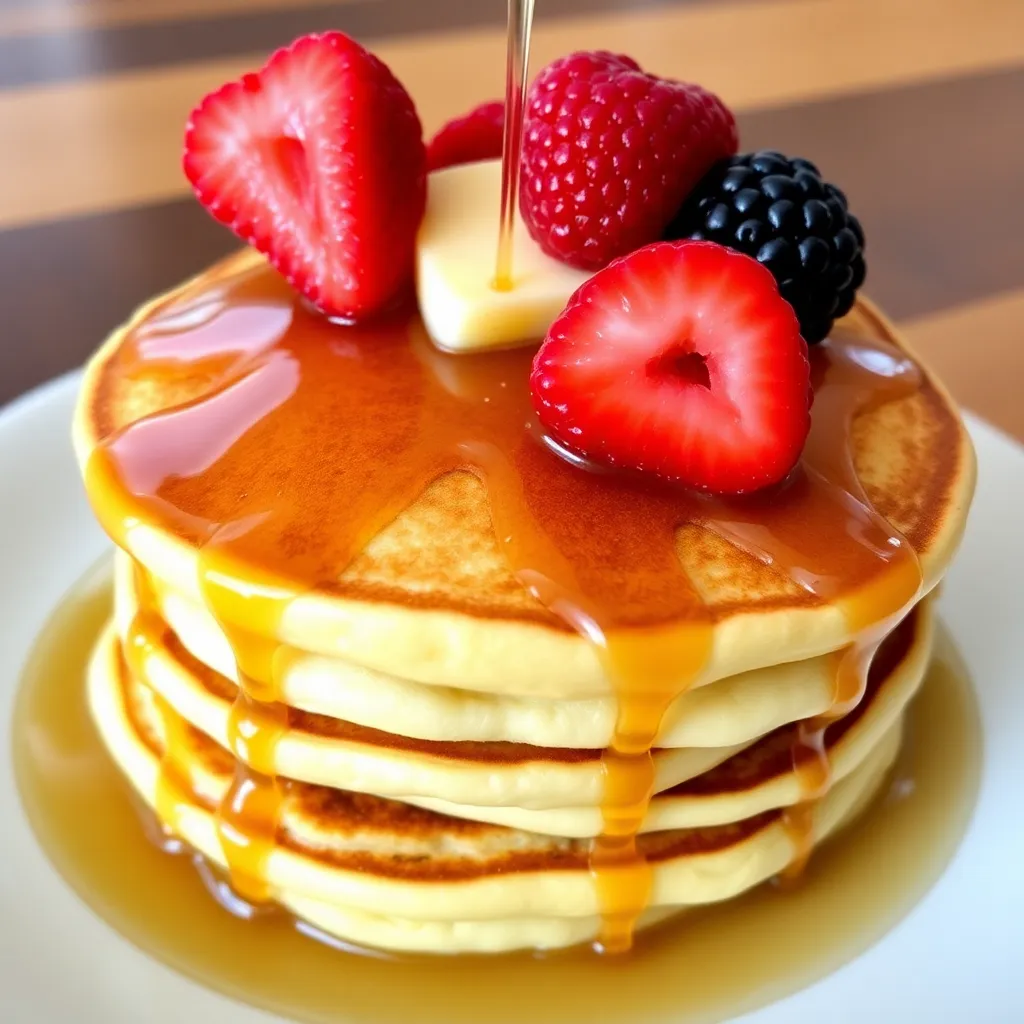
[431, 598]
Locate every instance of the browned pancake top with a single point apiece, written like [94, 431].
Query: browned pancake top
[305, 465]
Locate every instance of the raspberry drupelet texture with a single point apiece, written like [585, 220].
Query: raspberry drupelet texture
[609, 154]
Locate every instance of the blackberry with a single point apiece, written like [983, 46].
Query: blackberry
[781, 212]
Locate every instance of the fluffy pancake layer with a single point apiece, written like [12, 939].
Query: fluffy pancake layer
[732, 712]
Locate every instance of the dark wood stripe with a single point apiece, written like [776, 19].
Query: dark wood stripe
[62, 56]
[933, 171]
[67, 283]
[932, 178]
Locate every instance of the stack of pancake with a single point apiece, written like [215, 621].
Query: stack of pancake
[434, 742]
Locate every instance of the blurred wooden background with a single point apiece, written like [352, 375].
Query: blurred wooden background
[915, 107]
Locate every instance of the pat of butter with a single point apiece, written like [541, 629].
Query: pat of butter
[455, 260]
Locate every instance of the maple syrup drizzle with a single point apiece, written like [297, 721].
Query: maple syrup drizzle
[249, 815]
[871, 612]
[176, 786]
[304, 439]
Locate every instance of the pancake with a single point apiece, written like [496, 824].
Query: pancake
[369, 869]
[414, 936]
[733, 711]
[428, 595]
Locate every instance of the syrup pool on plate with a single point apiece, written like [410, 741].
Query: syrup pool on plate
[709, 965]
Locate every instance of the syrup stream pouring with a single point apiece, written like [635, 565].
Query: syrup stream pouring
[520, 24]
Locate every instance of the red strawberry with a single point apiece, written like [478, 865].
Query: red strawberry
[682, 360]
[474, 136]
[317, 160]
[609, 154]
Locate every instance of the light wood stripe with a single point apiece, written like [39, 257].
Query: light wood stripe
[978, 351]
[41, 58]
[35, 17]
[120, 135]
[75, 16]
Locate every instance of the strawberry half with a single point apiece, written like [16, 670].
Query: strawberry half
[682, 360]
[464, 140]
[317, 160]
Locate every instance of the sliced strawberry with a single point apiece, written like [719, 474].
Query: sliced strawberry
[474, 136]
[317, 160]
[680, 359]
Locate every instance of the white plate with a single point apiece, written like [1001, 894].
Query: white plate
[958, 957]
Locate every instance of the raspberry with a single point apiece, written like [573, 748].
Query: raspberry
[471, 137]
[610, 153]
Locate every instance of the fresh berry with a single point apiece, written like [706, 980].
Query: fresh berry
[780, 211]
[318, 161]
[474, 136]
[609, 154]
[680, 360]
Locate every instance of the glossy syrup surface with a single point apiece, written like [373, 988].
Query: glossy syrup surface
[308, 438]
[713, 965]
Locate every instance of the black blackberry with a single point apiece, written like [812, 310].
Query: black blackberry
[781, 212]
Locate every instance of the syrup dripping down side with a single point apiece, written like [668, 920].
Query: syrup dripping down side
[872, 611]
[249, 814]
[247, 817]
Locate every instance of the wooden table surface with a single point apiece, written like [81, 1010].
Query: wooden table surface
[915, 107]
